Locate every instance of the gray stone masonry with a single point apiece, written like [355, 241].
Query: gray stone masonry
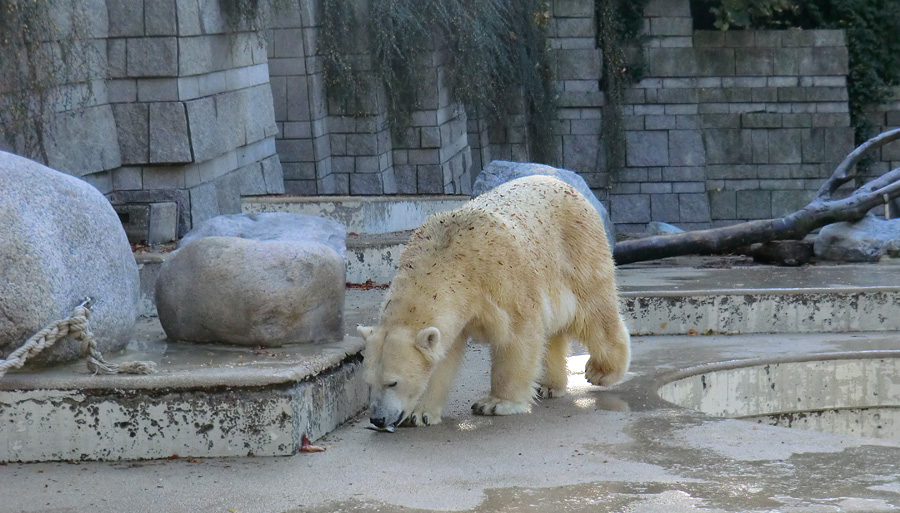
[182, 109]
[326, 150]
[177, 101]
[730, 126]
[724, 127]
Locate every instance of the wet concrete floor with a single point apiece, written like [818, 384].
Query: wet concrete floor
[598, 450]
[620, 449]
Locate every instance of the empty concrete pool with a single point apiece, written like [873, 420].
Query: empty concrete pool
[847, 393]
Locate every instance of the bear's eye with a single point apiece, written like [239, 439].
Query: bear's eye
[391, 385]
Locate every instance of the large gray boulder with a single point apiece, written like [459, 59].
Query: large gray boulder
[501, 171]
[255, 280]
[867, 240]
[273, 226]
[61, 240]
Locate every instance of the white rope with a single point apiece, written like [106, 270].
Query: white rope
[78, 326]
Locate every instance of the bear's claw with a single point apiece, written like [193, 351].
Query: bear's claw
[423, 419]
[547, 392]
[493, 406]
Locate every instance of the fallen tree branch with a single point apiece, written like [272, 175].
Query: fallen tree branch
[821, 211]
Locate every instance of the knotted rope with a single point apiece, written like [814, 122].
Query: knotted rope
[78, 326]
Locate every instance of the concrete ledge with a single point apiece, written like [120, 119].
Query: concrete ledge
[365, 215]
[207, 400]
[374, 257]
[763, 311]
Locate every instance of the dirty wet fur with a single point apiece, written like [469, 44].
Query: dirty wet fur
[524, 268]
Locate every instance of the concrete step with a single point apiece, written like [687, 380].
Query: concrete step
[359, 214]
[675, 297]
[207, 400]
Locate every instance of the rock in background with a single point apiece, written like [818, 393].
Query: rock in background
[867, 240]
[660, 228]
[501, 171]
[256, 280]
[273, 226]
[61, 240]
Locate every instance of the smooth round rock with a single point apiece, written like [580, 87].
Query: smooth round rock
[501, 171]
[660, 228]
[867, 240]
[265, 226]
[272, 281]
[61, 241]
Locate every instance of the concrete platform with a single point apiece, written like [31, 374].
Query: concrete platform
[221, 401]
[359, 214]
[691, 295]
[595, 450]
[206, 400]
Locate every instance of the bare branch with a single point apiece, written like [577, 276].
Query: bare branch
[821, 211]
[842, 173]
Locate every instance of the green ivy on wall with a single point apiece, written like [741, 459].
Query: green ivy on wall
[252, 15]
[619, 34]
[496, 59]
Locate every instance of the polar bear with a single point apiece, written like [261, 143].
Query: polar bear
[524, 268]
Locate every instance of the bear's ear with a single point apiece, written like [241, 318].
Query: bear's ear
[365, 332]
[427, 340]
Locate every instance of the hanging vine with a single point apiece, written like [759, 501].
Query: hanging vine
[619, 26]
[496, 57]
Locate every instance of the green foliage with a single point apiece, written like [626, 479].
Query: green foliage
[749, 13]
[242, 14]
[873, 40]
[48, 64]
[496, 58]
[252, 15]
[619, 25]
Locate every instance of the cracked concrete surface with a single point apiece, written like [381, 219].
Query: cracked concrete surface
[597, 450]
[621, 449]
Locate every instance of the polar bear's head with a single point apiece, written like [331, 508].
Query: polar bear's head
[398, 363]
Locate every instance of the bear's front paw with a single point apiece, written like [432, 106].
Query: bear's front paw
[423, 418]
[493, 406]
[549, 392]
[598, 374]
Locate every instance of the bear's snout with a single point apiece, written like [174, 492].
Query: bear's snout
[382, 423]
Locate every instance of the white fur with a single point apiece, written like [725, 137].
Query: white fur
[525, 268]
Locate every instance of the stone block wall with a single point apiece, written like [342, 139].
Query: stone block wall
[56, 110]
[886, 117]
[433, 155]
[579, 64]
[179, 114]
[193, 108]
[730, 126]
[301, 109]
[325, 149]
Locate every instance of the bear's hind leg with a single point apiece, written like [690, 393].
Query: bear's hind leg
[609, 344]
[515, 366]
[555, 378]
[427, 411]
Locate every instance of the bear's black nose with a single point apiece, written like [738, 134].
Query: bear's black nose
[379, 422]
